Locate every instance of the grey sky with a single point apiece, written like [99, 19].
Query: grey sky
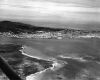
[62, 11]
[91, 3]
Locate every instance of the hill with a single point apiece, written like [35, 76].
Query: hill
[18, 27]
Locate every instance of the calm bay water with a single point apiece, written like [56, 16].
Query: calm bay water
[45, 48]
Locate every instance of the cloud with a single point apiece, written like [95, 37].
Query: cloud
[50, 10]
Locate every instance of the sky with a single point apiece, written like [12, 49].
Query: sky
[61, 11]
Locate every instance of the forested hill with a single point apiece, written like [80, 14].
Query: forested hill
[18, 27]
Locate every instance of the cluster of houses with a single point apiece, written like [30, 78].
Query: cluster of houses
[48, 35]
[43, 35]
[55, 35]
